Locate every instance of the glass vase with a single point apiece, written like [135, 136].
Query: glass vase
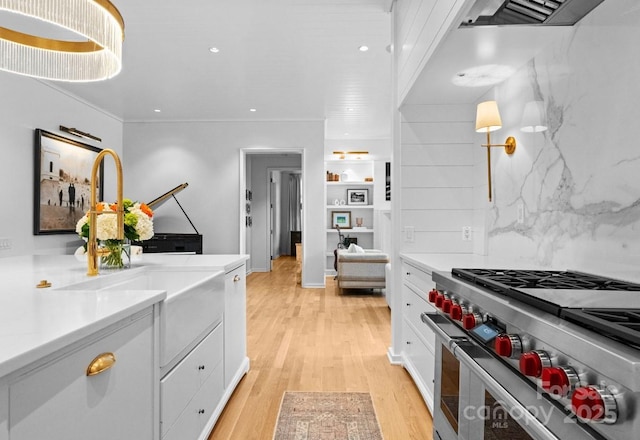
[114, 254]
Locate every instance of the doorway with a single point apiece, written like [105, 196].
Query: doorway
[266, 225]
[285, 211]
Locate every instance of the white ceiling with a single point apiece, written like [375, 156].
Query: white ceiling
[288, 59]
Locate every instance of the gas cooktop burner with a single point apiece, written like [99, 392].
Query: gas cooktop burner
[586, 305]
[620, 324]
[545, 279]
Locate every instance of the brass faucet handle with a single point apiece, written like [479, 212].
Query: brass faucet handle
[43, 284]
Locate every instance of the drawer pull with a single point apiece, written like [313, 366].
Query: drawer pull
[201, 411]
[201, 367]
[236, 278]
[101, 363]
[408, 304]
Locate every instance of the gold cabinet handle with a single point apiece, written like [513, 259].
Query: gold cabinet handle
[101, 363]
[236, 278]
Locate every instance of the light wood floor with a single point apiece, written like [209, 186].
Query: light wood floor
[318, 340]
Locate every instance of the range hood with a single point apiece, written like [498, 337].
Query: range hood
[530, 12]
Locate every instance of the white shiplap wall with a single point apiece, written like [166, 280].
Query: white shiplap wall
[437, 181]
[421, 25]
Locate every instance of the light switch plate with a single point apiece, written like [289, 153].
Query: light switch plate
[409, 234]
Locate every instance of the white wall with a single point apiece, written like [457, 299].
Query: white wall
[207, 156]
[578, 181]
[28, 104]
[437, 170]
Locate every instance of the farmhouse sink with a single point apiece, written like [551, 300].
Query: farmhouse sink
[195, 299]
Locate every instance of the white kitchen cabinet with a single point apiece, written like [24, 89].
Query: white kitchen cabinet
[182, 413]
[235, 324]
[418, 351]
[57, 400]
[4, 413]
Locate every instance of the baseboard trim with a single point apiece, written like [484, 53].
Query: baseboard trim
[394, 359]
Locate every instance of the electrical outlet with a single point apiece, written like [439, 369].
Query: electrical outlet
[520, 212]
[409, 234]
[466, 233]
[5, 243]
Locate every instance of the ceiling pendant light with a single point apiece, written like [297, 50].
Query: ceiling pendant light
[97, 58]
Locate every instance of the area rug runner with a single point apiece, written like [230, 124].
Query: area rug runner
[327, 416]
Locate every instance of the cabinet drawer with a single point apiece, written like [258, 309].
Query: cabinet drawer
[182, 383]
[417, 277]
[422, 361]
[413, 306]
[193, 419]
[59, 401]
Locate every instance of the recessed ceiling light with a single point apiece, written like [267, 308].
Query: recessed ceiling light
[363, 48]
[252, 110]
[480, 76]
[214, 50]
[350, 109]
[157, 110]
[346, 134]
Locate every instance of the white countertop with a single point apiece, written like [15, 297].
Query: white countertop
[35, 323]
[431, 262]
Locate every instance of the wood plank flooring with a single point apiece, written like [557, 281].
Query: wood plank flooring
[318, 340]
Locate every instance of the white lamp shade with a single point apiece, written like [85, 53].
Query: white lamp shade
[533, 117]
[488, 117]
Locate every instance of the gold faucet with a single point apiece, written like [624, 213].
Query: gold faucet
[92, 243]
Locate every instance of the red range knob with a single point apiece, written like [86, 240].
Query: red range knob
[470, 320]
[593, 403]
[456, 312]
[559, 381]
[532, 363]
[446, 305]
[439, 300]
[508, 345]
[433, 293]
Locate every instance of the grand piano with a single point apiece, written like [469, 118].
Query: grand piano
[172, 242]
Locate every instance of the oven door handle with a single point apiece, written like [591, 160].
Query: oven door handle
[445, 329]
[461, 352]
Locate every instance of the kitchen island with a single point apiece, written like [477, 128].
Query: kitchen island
[174, 324]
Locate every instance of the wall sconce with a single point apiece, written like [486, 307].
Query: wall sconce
[488, 120]
[350, 154]
[533, 117]
[76, 132]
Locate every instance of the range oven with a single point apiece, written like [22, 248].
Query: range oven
[535, 355]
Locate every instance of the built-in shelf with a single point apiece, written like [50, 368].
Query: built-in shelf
[350, 207]
[349, 183]
[357, 172]
[352, 231]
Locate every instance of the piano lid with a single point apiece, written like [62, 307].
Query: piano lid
[163, 198]
[158, 201]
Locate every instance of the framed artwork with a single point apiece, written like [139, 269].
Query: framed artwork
[341, 219]
[387, 181]
[357, 196]
[62, 182]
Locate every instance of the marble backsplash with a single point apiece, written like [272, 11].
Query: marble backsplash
[578, 182]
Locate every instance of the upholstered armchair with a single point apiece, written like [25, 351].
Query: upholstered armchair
[361, 268]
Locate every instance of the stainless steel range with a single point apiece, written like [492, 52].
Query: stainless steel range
[535, 354]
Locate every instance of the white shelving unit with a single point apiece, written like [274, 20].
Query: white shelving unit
[352, 176]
